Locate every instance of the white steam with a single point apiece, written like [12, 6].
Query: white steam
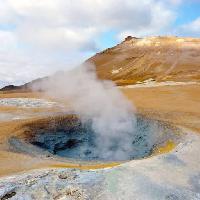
[110, 112]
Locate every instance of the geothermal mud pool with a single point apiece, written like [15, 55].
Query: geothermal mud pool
[145, 175]
[79, 141]
[151, 179]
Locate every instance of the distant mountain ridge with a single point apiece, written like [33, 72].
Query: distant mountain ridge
[138, 59]
[25, 87]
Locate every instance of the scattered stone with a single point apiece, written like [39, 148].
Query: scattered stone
[75, 193]
[8, 195]
[67, 175]
[64, 175]
[6, 191]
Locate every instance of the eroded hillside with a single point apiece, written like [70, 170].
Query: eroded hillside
[159, 58]
[138, 59]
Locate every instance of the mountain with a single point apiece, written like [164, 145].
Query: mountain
[25, 87]
[138, 59]
[159, 58]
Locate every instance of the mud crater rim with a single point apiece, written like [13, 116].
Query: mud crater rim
[67, 137]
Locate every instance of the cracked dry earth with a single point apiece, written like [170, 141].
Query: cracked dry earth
[169, 174]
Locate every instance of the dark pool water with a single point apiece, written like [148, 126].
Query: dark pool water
[82, 144]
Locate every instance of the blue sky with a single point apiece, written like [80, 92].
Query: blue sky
[107, 39]
[186, 12]
[39, 38]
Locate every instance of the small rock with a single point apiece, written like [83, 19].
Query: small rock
[67, 175]
[64, 175]
[8, 195]
[6, 191]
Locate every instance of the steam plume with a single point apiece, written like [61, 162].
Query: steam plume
[111, 114]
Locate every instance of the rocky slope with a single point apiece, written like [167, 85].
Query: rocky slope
[139, 59]
[159, 58]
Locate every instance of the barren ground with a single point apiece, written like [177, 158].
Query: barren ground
[175, 104]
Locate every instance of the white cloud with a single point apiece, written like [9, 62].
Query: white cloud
[175, 2]
[157, 24]
[8, 41]
[70, 24]
[6, 14]
[192, 28]
[45, 30]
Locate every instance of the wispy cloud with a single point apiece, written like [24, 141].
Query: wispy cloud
[45, 36]
[192, 28]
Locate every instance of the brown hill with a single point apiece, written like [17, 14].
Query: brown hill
[26, 87]
[139, 59]
[159, 58]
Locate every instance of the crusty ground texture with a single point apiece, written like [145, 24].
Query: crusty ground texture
[179, 105]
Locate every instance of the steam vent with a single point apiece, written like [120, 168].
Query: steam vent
[65, 137]
[122, 126]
